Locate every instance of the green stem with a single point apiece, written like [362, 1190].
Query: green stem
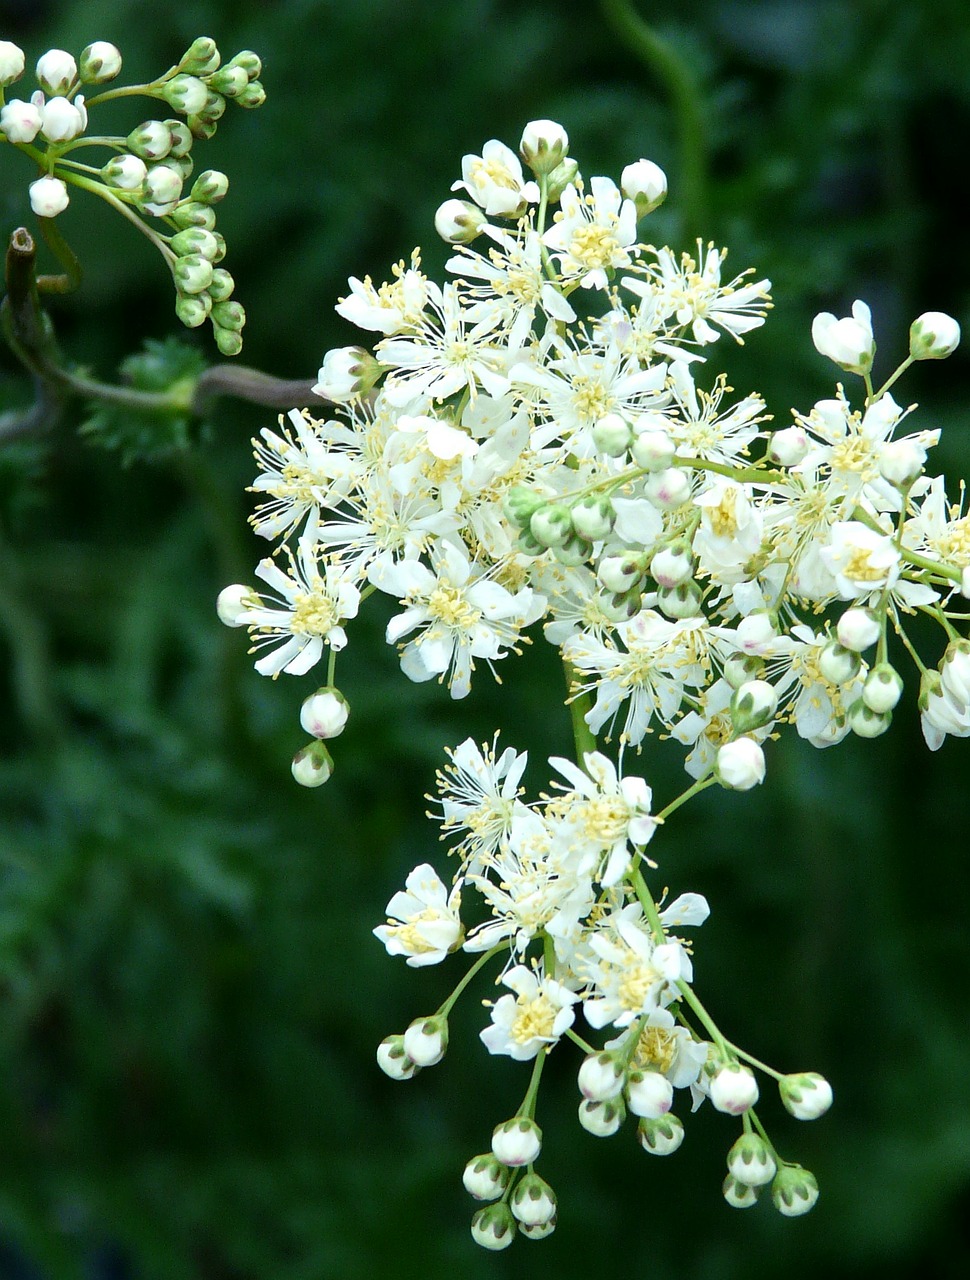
[480, 963]
[892, 379]
[528, 1107]
[129, 91]
[685, 95]
[700, 785]
[579, 704]
[578, 1040]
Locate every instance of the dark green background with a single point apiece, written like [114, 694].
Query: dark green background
[189, 993]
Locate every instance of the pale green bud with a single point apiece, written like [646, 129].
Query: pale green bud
[192, 275]
[838, 664]
[201, 58]
[181, 136]
[933, 336]
[163, 185]
[185, 94]
[228, 341]
[537, 1231]
[806, 1094]
[620, 571]
[867, 723]
[750, 1161]
[393, 1061]
[739, 1195]
[250, 63]
[551, 525]
[561, 177]
[193, 309]
[521, 504]
[612, 435]
[544, 146]
[493, 1227]
[459, 221]
[486, 1177]
[662, 1136]
[574, 551]
[741, 667]
[202, 130]
[593, 518]
[253, 96]
[426, 1040]
[228, 80]
[221, 286]
[528, 545]
[151, 140]
[794, 1190]
[99, 62]
[533, 1202]
[229, 315]
[882, 689]
[312, 765]
[192, 214]
[753, 705]
[194, 240]
[602, 1119]
[621, 606]
[127, 173]
[682, 601]
[209, 187]
[213, 109]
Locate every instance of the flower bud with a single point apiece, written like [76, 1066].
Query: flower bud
[858, 629]
[574, 551]
[612, 435]
[794, 1190]
[192, 273]
[229, 341]
[253, 96]
[753, 705]
[533, 1202]
[539, 1230]
[56, 72]
[20, 121]
[517, 1141]
[544, 145]
[194, 240]
[838, 664]
[650, 1094]
[740, 766]
[221, 285]
[683, 601]
[48, 197]
[189, 213]
[125, 172]
[867, 723]
[163, 185]
[324, 714]
[621, 606]
[750, 1161]
[392, 1059]
[955, 670]
[933, 336]
[733, 1088]
[151, 140]
[201, 58]
[62, 121]
[901, 462]
[551, 525]
[739, 1195]
[668, 489]
[741, 667]
[653, 450]
[426, 1040]
[209, 187]
[620, 572]
[493, 1227]
[806, 1094]
[561, 177]
[346, 372]
[228, 80]
[99, 62]
[602, 1119]
[233, 603]
[882, 689]
[193, 309]
[312, 766]
[849, 342]
[600, 1077]
[459, 221]
[250, 62]
[660, 1137]
[11, 63]
[521, 503]
[230, 316]
[645, 183]
[789, 446]
[672, 565]
[485, 1177]
[593, 518]
[185, 94]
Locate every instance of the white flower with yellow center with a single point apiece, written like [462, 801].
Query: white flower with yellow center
[307, 617]
[494, 181]
[592, 234]
[699, 428]
[534, 1018]
[665, 1047]
[628, 973]
[603, 816]
[730, 533]
[478, 793]
[861, 560]
[391, 307]
[423, 921]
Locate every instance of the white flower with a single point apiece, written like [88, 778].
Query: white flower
[533, 1018]
[494, 181]
[848, 342]
[592, 234]
[423, 920]
[20, 121]
[479, 793]
[604, 814]
[48, 197]
[860, 559]
[307, 618]
[390, 307]
[628, 973]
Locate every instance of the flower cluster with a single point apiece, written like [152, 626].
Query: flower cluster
[149, 168]
[537, 444]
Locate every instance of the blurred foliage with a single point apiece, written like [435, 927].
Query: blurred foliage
[190, 994]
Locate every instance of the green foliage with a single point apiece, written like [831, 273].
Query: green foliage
[191, 996]
[167, 366]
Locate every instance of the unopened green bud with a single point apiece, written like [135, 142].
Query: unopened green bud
[621, 606]
[612, 435]
[753, 705]
[868, 723]
[750, 1161]
[561, 177]
[181, 137]
[313, 765]
[250, 63]
[551, 524]
[183, 164]
[228, 341]
[933, 336]
[741, 667]
[528, 545]
[229, 80]
[229, 315]
[883, 688]
[521, 503]
[221, 285]
[195, 240]
[150, 141]
[682, 601]
[574, 551]
[493, 1227]
[201, 58]
[202, 130]
[620, 571]
[126, 172]
[192, 274]
[99, 63]
[593, 517]
[189, 213]
[213, 109]
[794, 1190]
[209, 187]
[220, 247]
[253, 96]
[660, 1137]
[739, 1195]
[838, 664]
[193, 309]
[185, 94]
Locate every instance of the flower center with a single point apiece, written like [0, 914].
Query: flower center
[535, 1019]
[313, 615]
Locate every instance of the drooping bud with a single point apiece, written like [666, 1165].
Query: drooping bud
[521, 503]
[189, 213]
[485, 1177]
[324, 714]
[533, 1202]
[672, 565]
[750, 1161]
[645, 183]
[794, 1190]
[660, 1137]
[806, 1094]
[493, 1227]
[393, 1060]
[600, 1076]
[753, 705]
[602, 1119]
[253, 96]
[574, 551]
[228, 80]
[459, 221]
[883, 688]
[739, 1195]
[544, 145]
[612, 435]
[48, 197]
[193, 309]
[56, 72]
[426, 1040]
[346, 373]
[866, 723]
[221, 285]
[733, 1088]
[229, 316]
[621, 606]
[858, 629]
[593, 518]
[648, 1093]
[517, 1141]
[192, 273]
[195, 240]
[683, 601]
[933, 336]
[99, 62]
[740, 765]
[838, 664]
[312, 765]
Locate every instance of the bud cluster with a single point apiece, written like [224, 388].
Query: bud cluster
[150, 168]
